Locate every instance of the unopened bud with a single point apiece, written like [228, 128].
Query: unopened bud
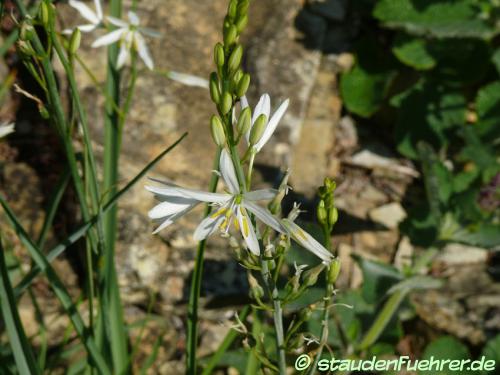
[217, 130]
[311, 275]
[321, 212]
[256, 290]
[214, 88]
[232, 8]
[305, 314]
[243, 85]
[219, 55]
[226, 103]
[44, 13]
[258, 129]
[333, 216]
[275, 204]
[236, 78]
[333, 271]
[241, 23]
[27, 31]
[243, 8]
[235, 58]
[244, 121]
[74, 42]
[230, 35]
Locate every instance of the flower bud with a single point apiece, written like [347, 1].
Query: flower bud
[321, 212]
[243, 85]
[244, 121]
[235, 79]
[305, 314]
[311, 275]
[243, 8]
[333, 271]
[232, 8]
[258, 129]
[226, 103]
[256, 290]
[74, 42]
[241, 23]
[27, 31]
[44, 13]
[230, 35]
[217, 130]
[333, 216]
[214, 88]
[235, 58]
[219, 55]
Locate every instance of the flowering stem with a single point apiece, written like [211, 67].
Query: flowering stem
[194, 294]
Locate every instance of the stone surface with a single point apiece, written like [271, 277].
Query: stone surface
[389, 215]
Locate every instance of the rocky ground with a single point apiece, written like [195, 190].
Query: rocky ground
[292, 52]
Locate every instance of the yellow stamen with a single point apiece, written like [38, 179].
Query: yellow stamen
[301, 234]
[246, 230]
[219, 212]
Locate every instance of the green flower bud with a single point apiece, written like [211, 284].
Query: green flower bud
[311, 275]
[256, 290]
[232, 8]
[44, 13]
[244, 121]
[243, 8]
[74, 42]
[333, 216]
[214, 88]
[305, 314]
[236, 78]
[321, 212]
[243, 85]
[27, 31]
[219, 55]
[230, 35]
[333, 271]
[44, 112]
[217, 130]
[241, 23]
[258, 129]
[226, 103]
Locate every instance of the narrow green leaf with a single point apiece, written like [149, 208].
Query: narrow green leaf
[23, 355]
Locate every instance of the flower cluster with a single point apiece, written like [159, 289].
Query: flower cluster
[129, 34]
[236, 204]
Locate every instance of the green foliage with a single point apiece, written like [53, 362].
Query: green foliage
[491, 351]
[441, 94]
[446, 348]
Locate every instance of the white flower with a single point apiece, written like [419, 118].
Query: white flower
[264, 107]
[6, 128]
[232, 206]
[131, 38]
[95, 18]
[188, 79]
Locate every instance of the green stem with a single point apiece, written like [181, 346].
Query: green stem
[194, 294]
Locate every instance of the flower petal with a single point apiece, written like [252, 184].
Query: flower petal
[149, 32]
[228, 174]
[98, 9]
[272, 124]
[133, 18]
[109, 38]
[207, 227]
[123, 56]
[6, 129]
[265, 216]
[244, 102]
[143, 51]
[247, 230]
[86, 28]
[84, 11]
[260, 195]
[188, 79]
[169, 208]
[117, 22]
[305, 240]
[262, 107]
[202, 196]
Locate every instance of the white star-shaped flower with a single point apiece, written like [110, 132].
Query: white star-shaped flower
[131, 39]
[263, 107]
[6, 128]
[232, 206]
[96, 18]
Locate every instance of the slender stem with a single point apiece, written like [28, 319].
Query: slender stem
[194, 294]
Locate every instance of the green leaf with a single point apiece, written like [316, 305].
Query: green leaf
[491, 351]
[482, 234]
[378, 278]
[365, 87]
[446, 348]
[496, 59]
[413, 52]
[416, 283]
[437, 18]
[488, 110]
[23, 355]
[425, 113]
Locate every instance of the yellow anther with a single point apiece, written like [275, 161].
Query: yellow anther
[219, 212]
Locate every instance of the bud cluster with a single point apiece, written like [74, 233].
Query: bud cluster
[326, 211]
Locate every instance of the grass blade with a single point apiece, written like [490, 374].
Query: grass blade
[23, 355]
[59, 290]
[80, 232]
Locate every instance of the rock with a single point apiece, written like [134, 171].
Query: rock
[371, 160]
[455, 254]
[389, 215]
[404, 253]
